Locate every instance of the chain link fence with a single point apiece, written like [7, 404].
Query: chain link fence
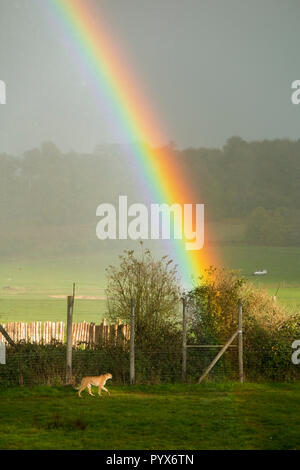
[32, 364]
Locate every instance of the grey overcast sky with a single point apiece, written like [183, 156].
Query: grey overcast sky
[211, 69]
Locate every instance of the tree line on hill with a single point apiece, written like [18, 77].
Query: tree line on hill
[256, 183]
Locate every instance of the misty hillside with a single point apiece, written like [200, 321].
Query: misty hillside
[49, 198]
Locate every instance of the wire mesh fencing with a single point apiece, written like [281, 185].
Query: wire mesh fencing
[32, 364]
[158, 358]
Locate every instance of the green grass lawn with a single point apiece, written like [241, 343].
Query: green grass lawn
[33, 309]
[210, 416]
[28, 286]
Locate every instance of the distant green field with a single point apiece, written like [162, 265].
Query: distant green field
[31, 288]
[177, 416]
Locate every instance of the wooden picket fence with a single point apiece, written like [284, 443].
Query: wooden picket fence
[82, 333]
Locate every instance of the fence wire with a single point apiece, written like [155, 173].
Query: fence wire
[46, 365]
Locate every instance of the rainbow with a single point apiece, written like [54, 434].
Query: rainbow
[112, 77]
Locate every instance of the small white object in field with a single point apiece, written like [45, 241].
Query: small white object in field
[260, 273]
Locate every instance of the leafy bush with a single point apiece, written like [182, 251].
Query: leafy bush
[268, 329]
[151, 284]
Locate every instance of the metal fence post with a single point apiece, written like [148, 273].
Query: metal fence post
[183, 374]
[240, 340]
[69, 339]
[132, 326]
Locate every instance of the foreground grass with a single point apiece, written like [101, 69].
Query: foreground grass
[211, 416]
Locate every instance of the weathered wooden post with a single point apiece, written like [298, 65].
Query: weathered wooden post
[6, 336]
[240, 340]
[70, 307]
[183, 374]
[132, 326]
